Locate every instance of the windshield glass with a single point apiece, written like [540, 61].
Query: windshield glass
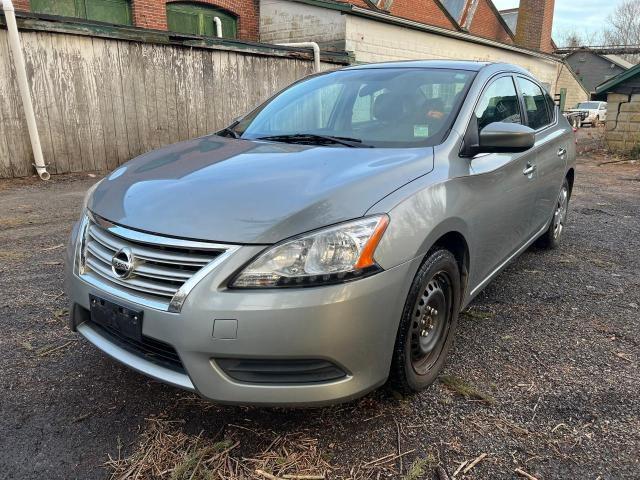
[390, 107]
[589, 105]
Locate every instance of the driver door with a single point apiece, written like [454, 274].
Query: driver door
[503, 184]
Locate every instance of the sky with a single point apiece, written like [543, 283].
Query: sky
[578, 15]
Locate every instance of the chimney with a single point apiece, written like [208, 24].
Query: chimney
[535, 21]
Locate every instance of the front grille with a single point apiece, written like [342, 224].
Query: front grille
[148, 348]
[162, 265]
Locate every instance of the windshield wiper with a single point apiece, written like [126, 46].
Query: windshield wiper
[315, 138]
[229, 131]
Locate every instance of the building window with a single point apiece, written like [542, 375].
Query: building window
[455, 8]
[109, 11]
[197, 19]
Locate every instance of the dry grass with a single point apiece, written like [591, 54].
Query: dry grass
[167, 452]
[476, 314]
[465, 389]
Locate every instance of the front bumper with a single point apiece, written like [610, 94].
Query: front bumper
[353, 326]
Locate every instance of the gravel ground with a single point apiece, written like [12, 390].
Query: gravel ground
[551, 349]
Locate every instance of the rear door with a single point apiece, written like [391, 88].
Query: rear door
[551, 147]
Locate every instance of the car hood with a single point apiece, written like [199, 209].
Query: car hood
[239, 191]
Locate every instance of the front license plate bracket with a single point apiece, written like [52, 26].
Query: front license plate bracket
[125, 321]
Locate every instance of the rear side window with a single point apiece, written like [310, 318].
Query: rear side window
[499, 103]
[535, 104]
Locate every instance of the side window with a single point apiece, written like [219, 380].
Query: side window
[534, 103]
[499, 103]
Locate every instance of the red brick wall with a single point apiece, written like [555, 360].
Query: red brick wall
[486, 24]
[535, 21]
[21, 5]
[153, 14]
[423, 11]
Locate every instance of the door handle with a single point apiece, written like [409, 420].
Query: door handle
[529, 170]
[562, 152]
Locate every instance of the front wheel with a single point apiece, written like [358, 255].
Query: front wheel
[551, 238]
[428, 323]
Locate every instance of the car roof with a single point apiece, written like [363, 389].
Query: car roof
[474, 66]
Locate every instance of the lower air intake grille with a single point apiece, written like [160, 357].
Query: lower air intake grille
[150, 349]
[280, 371]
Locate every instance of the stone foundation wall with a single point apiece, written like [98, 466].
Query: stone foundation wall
[623, 122]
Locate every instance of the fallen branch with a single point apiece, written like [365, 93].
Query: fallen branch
[524, 474]
[399, 450]
[303, 477]
[474, 463]
[388, 458]
[55, 247]
[55, 349]
[264, 474]
[459, 469]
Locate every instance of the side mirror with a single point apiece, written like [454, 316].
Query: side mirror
[500, 137]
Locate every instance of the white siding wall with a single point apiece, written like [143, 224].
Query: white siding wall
[375, 41]
[282, 21]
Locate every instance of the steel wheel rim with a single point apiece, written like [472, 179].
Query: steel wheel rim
[430, 323]
[560, 213]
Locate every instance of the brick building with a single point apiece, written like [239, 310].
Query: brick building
[369, 30]
[240, 18]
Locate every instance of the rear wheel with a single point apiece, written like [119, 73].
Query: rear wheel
[428, 323]
[551, 238]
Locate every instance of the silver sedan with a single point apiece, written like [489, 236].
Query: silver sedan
[324, 243]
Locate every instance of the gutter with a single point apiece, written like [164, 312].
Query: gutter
[23, 86]
[363, 12]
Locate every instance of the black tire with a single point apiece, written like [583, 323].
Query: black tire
[432, 306]
[551, 238]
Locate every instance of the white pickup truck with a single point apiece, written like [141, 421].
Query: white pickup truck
[596, 112]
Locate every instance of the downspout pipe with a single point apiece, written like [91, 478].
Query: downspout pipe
[314, 46]
[218, 23]
[23, 85]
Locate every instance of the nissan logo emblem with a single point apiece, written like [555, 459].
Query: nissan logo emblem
[123, 263]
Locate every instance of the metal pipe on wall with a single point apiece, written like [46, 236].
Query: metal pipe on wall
[218, 23]
[313, 45]
[23, 85]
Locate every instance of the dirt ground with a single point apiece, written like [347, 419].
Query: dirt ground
[544, 375]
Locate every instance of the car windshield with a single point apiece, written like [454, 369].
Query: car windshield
[589, 105]
[374, 107]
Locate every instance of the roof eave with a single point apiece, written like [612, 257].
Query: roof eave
[618, 79]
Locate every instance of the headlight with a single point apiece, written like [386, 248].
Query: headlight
[332, 255]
